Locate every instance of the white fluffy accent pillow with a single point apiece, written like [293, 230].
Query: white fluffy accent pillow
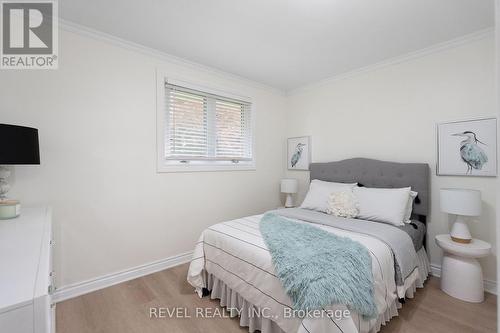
[343, 204]
[386, 205]
[409, 206]
[319, 193]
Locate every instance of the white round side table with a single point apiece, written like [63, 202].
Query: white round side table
[461, 273]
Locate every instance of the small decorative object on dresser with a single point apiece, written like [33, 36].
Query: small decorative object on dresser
[289, 186]
[462, 203]
[9, 209]
[461, 273]
[299, 153]
[18, 145]
[467, 148]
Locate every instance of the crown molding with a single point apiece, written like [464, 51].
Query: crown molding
[136, 47]
[475, 36]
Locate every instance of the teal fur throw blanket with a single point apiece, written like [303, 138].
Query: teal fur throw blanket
[318, 268]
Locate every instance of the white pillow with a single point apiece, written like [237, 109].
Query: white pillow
[343, 204]
[319, 193]
[386, 205]
[409, 206]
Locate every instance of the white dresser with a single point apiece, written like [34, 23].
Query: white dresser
[26, 275]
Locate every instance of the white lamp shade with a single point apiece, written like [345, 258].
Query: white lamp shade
[460, 201]
[289, 185]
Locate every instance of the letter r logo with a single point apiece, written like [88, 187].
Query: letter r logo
[27, 27]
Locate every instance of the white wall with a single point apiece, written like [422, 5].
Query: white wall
[96, 117]
[390, 113]
[112, 211]
[497, 88]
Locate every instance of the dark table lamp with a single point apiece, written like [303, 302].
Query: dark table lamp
[18, 146]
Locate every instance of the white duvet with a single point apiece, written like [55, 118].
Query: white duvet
[235, 253]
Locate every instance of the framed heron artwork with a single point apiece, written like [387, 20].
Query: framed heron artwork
[467, 148]
[299, 153]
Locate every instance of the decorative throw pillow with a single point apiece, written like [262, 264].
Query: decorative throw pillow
[343, 204]
[409, 207]
[319, 192]
[386, 205]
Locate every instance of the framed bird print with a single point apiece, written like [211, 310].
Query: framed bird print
[299, 153]
[467, 148]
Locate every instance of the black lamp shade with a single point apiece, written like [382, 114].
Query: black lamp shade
[18, 145]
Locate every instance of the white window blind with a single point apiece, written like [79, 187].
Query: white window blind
[204, 126]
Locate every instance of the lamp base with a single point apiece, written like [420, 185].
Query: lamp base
[4, 184]
[289, 201]
[460, 231]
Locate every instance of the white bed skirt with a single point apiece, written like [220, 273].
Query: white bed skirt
[232, 301]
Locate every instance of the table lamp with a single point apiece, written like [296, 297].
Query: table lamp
[289, 186]
[463, 203]
[18, 146]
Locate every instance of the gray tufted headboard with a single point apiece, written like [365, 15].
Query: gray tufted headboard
[375, 173]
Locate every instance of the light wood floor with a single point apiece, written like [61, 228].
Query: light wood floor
[125, 308]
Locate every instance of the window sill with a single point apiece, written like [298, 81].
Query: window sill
[166, 168]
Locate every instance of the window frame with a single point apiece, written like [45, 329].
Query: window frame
[175, 165]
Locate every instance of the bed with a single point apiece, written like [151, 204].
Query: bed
[231, 261]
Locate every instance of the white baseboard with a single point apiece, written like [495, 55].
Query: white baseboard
[489, 285]
[84, 287]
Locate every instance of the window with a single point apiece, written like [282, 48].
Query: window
[203, 130]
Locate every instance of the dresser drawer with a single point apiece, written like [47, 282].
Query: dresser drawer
[18, 320]
[43, 314]
[44, 285]
[25, 292]
[52, 272]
